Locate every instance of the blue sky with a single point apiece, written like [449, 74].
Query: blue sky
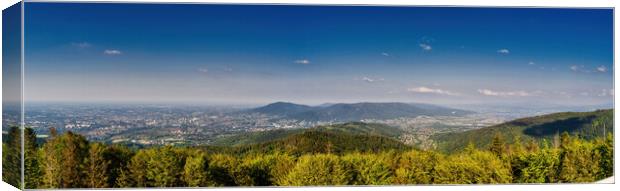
[11, 57]
[314, 54]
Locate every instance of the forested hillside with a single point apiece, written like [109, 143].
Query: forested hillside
[314, 157]
[351, 128]
[313, 141]
[586, 125]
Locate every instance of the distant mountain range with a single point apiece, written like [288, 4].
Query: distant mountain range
[344, 112]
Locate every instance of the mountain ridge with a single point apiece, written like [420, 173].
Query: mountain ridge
[535, 128]
[345, 112]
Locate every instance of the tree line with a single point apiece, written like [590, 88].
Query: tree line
[68, 160]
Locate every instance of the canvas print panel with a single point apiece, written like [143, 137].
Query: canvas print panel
[200, 95]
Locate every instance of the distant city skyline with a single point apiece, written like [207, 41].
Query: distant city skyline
[256, 54]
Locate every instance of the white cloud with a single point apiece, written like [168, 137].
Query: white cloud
[579, 68]
[531, 63]
[371, 80]
[503, 51]
[203, 70]
[81, 44]
[303, 61]
[606, 92]
[112, 52]
[574, 68]
[385, 54]
[488, 92]
[583, 69]
[426, 47]
[601, 69]
[424, 89]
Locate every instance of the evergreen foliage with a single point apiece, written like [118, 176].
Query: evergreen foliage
[318, 158]
[32, 169]
[63, 161]
[96, 167]
[319, 169]
[11, 157]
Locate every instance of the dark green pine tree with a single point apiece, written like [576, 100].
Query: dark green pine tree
[498, 145]
[32, 169]
[606, 150]
[11, 157]
[118, 157]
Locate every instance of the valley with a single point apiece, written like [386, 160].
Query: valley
[205, 125]
[422, 126]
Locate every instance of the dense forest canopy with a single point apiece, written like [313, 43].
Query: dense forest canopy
[68, 160]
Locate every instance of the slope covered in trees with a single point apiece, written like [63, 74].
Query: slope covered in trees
[69, 161]
[314, 141]
[351, 128]
[346, 154]
[586, 125]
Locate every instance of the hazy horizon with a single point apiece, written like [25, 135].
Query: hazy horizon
[254, 54]
[259, 104]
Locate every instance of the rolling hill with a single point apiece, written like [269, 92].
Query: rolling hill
[324, 142]
[341, 138]
[343, 112]
[538, 128]
[352, 128]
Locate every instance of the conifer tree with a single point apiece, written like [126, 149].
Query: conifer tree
[196, 171]
[368, 169]
[319, 169]
[135, 173]
[535, 167]
[474, 167]
[11, 157]
[578, 161]
[280, 164]
[417, 167]
[124, 179]
[606, 150]
[118, 156]
[532, 146]
[221, 167]
[32, 170]
[498, 145]
[165, 166]
[96, 167]
[51, 161]
[516, 147]
[63, 160]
